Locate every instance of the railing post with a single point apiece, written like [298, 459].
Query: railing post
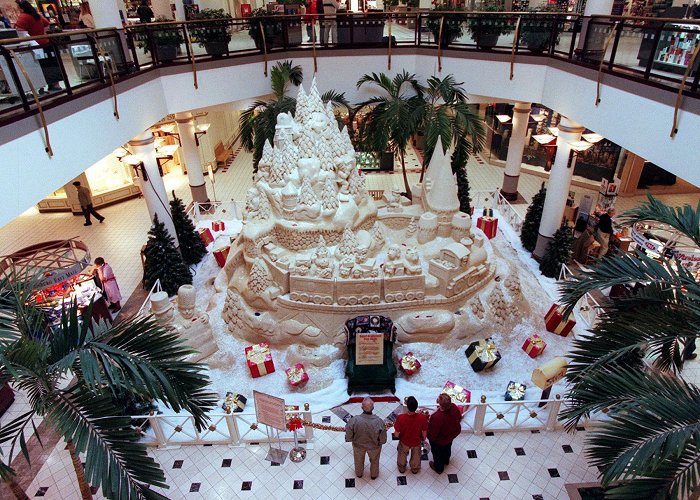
[232, 426]
[419, 29]
[96, 58]
[553, 416]
[652, 52]
[479, 416]
[553, 32]
[308, 430]
[64, 75]
[15, 77]
[616, 42]
[131, 43]
[574, 36]
[154, 420]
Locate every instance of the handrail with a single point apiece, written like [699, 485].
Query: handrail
[60, 34]
[647, 19]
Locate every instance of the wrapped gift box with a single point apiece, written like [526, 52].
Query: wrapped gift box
[296, 375]
[221, 255]
[489, 225]
[218, 225]
[550, 373]
[482, 354]
[534, 346]
[234, 403]
[459, 396]
[294, 420]
[409, 364]
[555, 321]
[515, 391]
[259, 359]
[206, 236]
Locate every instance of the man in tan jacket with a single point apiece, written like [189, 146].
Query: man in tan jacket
[367, 433]
[85, 199]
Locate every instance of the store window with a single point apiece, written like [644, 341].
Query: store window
[108, 174]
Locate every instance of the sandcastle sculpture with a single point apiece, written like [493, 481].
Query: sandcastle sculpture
[316, 249]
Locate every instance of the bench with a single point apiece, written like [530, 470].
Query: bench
[221, 154]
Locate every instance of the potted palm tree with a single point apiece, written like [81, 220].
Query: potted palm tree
[137, 357]
[167, 40]
[214, 34]
[487, 26]
[630, 367]
[451, 26]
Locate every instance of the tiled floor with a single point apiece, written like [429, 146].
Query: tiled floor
[501, 466]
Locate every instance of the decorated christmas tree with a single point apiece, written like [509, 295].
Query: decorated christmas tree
[348, 244]
[558, 252]
[463, 190]
[329, 197]
[260, 278]
[191, 246]
[531, 224]
[163, 262]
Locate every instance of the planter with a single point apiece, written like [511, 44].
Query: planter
[487, 40]
[166, 53]
[215, 48]
[537, 44]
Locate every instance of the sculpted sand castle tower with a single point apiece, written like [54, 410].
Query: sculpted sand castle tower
[316, 249]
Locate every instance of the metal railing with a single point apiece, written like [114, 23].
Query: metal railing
[588, 307]
[214, 210]
[652, 50]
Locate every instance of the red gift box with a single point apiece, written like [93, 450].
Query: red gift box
[206, 236]
[489, 225]
[221, 255]
[409, 364]
[555, 322]
[296, 375]
[218, 225]
[259, 359]
[459, 396]
[534, 346]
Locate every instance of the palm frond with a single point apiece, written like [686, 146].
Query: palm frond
[685, 219]
[336, 98]
[115, 460]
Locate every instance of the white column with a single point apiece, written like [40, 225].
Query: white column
[558, 185]
[161, 8]
[179, 10]
[106, 13]
[600, 7]
[521, 117]
[153, 189]
[186, 129]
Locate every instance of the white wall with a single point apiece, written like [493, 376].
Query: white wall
[639, 125]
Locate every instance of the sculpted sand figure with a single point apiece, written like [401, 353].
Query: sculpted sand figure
[394, 265]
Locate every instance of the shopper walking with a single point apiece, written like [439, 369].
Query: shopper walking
[144, 12]
[367, 433]
[110, 287]
[604, 231]
[411, 428]
[443, 427]
[35, 24]
[85, 199]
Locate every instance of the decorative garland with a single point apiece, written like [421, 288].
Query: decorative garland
[335, 428]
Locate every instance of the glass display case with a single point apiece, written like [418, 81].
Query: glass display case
[676, 48]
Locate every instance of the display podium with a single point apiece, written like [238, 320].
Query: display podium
[370, 366]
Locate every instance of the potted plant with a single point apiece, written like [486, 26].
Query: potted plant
[167, 40]
[451, 27]
[486, 29]
[537, 31]
[214, 36]
[273, 29]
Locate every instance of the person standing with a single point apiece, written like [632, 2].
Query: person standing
[367, 433]
[109, 284]
[330, 7]
[411, 428]
[144, 12]
[604, 231]
[85, 20]
[85, 199]
[443, 427]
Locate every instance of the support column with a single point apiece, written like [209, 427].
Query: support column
[153, 189]
[179, 10]
[600, 7]
[186, 128]
[521, 117]
[558, 185]
[106, 13]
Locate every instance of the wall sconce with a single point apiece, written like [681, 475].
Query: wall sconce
[592, 137]
[539, 117]
[163, 154]
[120, 153]
[169, 130]
[554, 131]
[544, 139]
[136, 163]
[199, 130]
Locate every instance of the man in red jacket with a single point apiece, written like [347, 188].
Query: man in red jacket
[443, 427]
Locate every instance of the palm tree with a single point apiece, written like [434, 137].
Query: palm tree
[630, 366]
[393, 117]
[257, 122]
[446, 115]
[136, 356]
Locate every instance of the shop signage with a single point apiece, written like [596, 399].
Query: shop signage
[369, 348]
[269, 410]
[643, 241]
[688, 258]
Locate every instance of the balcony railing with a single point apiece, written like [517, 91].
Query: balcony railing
[45, 71]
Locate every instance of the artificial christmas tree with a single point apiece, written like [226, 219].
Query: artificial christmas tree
[558, 252]
[191, 246]
[163, 261]
[463, 190]
[531, 224]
